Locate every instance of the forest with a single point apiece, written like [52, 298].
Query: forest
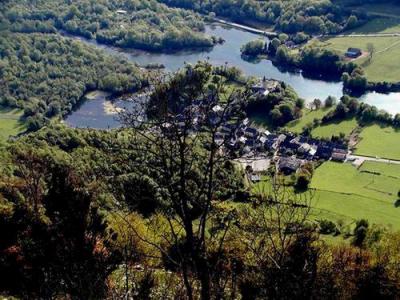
[128, 213]
[140, 24]
[47, 75]
[310, 16]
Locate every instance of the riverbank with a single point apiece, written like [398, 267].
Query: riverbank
[307, 86]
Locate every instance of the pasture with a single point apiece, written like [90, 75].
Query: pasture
[380, 141]
[345, 193]
[335, 128]
[296, 126]
[384, 64]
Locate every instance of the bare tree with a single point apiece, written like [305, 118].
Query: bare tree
[271, 229]
[179, 141]
[371, 51]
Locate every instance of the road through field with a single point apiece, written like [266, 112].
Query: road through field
[359, 160]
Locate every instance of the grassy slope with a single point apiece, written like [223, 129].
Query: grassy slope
[296, 126]
[384, 65]
[378, 25]
[379, 141]
[380, 9]
[343, 192]
[326, 131]
[10, 123]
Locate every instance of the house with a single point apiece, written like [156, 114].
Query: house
[251, 132]
[288, 165]
[304, 148]
[339, 155]
[264, 86]
[353, 52]
[121, 12]
[255, 178]
[280, 139]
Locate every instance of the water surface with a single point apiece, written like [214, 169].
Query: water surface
[92, 113]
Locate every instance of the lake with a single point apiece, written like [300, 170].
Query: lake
[98, 111]
[228, 52]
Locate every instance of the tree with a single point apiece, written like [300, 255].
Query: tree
[182, 152]
[330, 101]
[371, 51]
[282, 55]
[254, 48]
[57, 241]
[278, 240]
[274, 45]
[360, 233]
[352, 22]
[317, 103]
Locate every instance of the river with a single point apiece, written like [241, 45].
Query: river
[229, 53]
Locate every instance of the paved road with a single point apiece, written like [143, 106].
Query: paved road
[359, 160]
[247, 28]
[393, 34]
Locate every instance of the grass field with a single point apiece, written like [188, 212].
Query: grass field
[378, 25]
[384, 66]
[10, 123]
[296, 126]
[380, 9]
[379, 141]
[327, 131]
[346, 193]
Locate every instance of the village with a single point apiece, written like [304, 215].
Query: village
[255, 148]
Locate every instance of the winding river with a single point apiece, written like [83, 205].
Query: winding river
[229, 52]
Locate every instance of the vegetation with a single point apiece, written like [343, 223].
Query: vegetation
[157, 209]
[379, 140]
[47, 76]
[309, 116]
[349, 193]
[342, 127]
[143, 24]
[382, 67]
[310, 16]
[280, 106]
[254, 48]
[153, 211]
[10, 123]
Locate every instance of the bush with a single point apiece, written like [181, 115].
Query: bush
[328, 227]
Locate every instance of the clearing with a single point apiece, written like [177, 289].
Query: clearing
[10, 123]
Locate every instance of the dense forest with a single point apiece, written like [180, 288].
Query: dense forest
[128, 213]
[310, 16]
[144, 24]
[47, 75]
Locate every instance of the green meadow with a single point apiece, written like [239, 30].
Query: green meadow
[384, 64]
[335, 128]
[343, 192]
[378, 25]
[297, 126]
[380, 141]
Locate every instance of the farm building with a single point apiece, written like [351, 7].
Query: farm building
[353, 52]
